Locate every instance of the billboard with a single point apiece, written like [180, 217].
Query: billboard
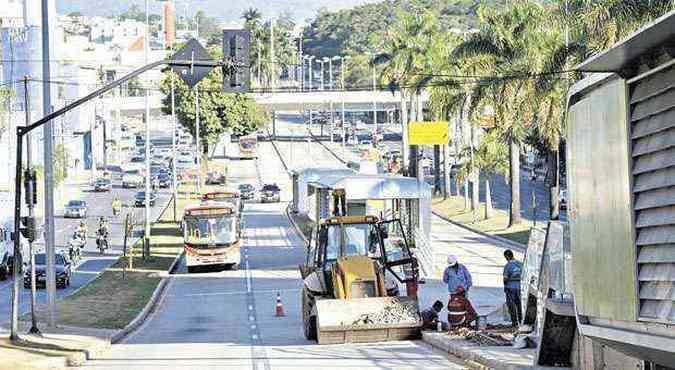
[428, 133]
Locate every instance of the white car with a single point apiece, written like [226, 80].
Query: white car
[130, 181]
[365, 145]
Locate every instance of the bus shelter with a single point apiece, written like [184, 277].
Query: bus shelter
[301, 178]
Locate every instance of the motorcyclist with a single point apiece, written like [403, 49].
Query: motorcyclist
[103, 226]
[82, 230]
[116, 206]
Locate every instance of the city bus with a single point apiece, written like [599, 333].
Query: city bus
[211, 236]
[248, 146]
[228, 198]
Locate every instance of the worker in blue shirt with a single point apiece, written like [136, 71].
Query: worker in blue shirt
[456, 275]
[512, 272]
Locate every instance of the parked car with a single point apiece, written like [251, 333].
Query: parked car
[215, 178]
[132, 180]
[61, 263]
[563, 199]
[246, 191]
[75, 209]
[270, 193]
[102, 185]
[139, 199]
[164, 179]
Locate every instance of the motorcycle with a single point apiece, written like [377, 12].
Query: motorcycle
[79, 238]
[74, 251]
[116, 211]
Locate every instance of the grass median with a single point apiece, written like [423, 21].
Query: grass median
[453, 209]
[119, 293]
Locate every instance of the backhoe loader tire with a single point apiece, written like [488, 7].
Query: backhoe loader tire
[309, 321]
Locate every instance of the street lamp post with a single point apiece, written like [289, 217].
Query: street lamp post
[311, 77]
[321, 62]
[146, 234]
[342, 78]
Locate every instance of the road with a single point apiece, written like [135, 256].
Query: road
[92, 262]
[225, 319]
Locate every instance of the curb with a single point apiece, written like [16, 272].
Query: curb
[295, 225]
[471, 359]
[499, 239]
[149, 307]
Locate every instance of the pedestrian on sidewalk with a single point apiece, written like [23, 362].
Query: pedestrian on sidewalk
[456, 275]
[430, 317]
[512, 273]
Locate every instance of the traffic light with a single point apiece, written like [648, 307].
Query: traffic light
[28, 228]
[236, 45]
[30, 187]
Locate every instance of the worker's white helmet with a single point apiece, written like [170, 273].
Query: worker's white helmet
[452, 259]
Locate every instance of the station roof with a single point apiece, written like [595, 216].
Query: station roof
[377, 186]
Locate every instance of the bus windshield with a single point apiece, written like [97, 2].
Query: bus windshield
[210, 231]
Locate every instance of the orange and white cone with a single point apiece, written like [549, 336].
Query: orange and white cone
[280, 306]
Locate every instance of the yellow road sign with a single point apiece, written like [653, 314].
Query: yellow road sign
[428, 133]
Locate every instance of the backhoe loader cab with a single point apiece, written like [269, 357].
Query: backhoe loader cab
[353, 268]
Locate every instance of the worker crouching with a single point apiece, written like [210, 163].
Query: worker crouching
[460, 311]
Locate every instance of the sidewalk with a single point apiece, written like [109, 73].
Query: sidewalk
[57, 348]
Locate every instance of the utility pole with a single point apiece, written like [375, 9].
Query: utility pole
[273, 72]
[173, 138]
[302, 62]
[321, 62]
[29, 197]
[148, 195]
[199, 148]
[374, 101]
[48, 168]
[259, 62]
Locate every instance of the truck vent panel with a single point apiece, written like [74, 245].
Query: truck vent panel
[652, 131]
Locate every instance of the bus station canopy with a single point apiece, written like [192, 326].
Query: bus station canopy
[362, 187]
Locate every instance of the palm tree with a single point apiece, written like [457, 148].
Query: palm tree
[501, 49]
[404, 54]
[251, 17]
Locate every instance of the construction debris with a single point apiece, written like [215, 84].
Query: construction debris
[482, 337]
[394, 313]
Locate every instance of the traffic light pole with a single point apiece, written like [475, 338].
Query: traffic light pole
[31, 212]
[22, 131]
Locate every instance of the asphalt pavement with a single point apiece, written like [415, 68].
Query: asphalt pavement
[226, 319]
[92, 262]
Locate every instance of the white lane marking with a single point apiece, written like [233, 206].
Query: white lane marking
[248, 278]
[235, 293]
[254, 336]
[253, 327]
[250, 308]
[251, 318]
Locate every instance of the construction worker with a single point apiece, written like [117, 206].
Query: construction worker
[512, 273]
[456, 275]
[460, 311]
[430, 317]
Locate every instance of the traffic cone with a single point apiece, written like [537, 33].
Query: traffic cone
[280, 306]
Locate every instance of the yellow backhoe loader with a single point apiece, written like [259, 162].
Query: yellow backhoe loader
[353, 272]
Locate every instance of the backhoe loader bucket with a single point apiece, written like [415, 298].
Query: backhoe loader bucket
[366, 320]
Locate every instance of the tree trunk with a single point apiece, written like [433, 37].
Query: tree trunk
[447, 187]
[466, 192]
[489, 212]
[475, 200]
[405, 153]
[554, 185]
[514, 169]
[437, 169]
[413, 164]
